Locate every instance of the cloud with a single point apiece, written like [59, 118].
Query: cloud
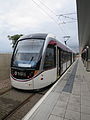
[26, 16]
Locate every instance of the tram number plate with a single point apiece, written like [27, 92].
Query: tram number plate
[21, 74]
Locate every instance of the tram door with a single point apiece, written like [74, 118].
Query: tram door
[58, 62]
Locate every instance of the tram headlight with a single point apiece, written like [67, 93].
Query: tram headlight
[32, 73]
[36, 72]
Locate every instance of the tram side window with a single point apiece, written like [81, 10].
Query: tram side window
[64, 56]
[50, 58]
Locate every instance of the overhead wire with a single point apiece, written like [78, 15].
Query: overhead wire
[66, 17]
[67, 13]
[47, 7]
[65, 32]
[44, 11]
[64, 22]
[59, 15]
[49, 14]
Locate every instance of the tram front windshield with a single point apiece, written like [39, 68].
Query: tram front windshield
[27, 53]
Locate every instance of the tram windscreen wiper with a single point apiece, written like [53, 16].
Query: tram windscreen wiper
[31, 59]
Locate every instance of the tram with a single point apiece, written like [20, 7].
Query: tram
[38, 60]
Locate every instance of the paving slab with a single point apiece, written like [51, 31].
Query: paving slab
[61, 104]
[72, 115]
[85, 116]
[72, 107]
[85, 109]
[59, 111]
[85, 102]
[53, 117]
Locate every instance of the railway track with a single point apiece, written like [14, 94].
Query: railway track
[13, 102]
[17, 108]
[4, 91]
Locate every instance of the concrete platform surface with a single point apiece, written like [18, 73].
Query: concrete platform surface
[65, 103]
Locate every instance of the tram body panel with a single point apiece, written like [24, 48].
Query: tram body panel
[45, 78]
[27, 85]
[64, 66]
[42, 80]
[68, 63]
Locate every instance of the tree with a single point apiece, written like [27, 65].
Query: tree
[14, 38]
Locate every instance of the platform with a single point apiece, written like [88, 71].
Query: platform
[68, 99]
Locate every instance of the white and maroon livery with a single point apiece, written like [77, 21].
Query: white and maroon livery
[38, 60]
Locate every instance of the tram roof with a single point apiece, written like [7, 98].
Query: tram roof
[64, 47]
[37, 35]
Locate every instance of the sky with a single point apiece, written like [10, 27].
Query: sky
[38, 16]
